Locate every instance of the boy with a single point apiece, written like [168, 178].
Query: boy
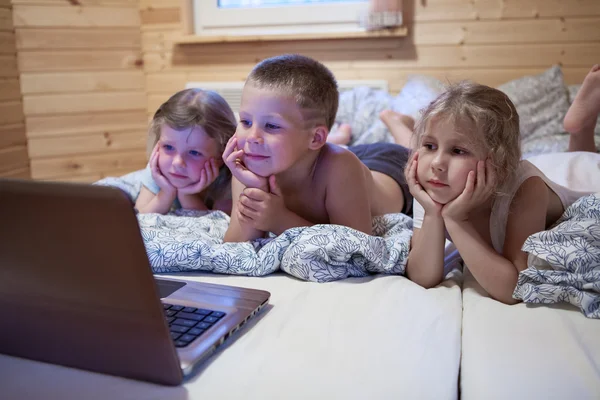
[286, 174]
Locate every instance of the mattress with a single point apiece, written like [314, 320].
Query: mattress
[526, 351]
[530, 351]
[376, 337]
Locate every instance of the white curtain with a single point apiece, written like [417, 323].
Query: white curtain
[383, 14]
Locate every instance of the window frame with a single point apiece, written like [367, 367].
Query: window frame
[209, 20]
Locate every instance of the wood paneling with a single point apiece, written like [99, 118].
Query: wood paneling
[490, 41]
[86, 144]
[70, 16]
[72, 82]
[14, 161]
[86, 123]
[81, 165]
[83, 87]
[78, 38]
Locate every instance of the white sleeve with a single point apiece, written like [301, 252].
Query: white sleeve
[418, 214]
[452, 258]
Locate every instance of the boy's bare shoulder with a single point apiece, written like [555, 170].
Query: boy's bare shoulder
[334, 155]
[337, 162]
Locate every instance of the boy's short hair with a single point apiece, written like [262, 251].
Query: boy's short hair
[312, 84]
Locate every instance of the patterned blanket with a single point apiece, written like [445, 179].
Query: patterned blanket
[564, 261]
[185, 241]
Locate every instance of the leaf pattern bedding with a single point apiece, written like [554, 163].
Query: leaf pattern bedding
[185, 241]
[564, 261]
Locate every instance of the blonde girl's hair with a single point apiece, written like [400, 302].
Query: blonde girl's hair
[489, 120]
[206, 109]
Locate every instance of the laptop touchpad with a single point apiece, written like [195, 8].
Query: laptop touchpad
[166, 287]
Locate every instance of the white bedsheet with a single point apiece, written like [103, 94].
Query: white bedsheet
[530, 351]
[526, 351]
[379, 337]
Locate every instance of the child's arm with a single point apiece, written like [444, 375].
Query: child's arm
[496, 273]
[425, 265]
[346, 197]
[148, 202]
[266, 211]
[239, 230]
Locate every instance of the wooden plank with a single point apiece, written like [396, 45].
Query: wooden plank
[12, 135]
[11, 113]
[166, 82]
[7, 43]
[164, 42]
[151, 15]
[85, 144]
[76, 179]
[73, 82]
[75, 3]
[71, 17]
[143, 4]
[465, 10]
[8, 66]
[21, 173]
[6, 23]
[82, 165]
[10, 89]
[76, 124]
[555, 30]
[84, 102]
[78, 38]
[13, 158]
[549, 8]
[47, 61]
[491, 56]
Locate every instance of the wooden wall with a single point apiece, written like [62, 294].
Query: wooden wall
[491, 41]
[83, 87]
[14, 161]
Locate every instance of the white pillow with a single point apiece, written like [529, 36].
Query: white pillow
[576, 170]
[416, 94]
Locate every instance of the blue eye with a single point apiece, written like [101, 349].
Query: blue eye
[272, 126]
[195, 153]
[245, 123]
[168, 147]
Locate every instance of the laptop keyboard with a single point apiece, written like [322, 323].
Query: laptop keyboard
[188, 323]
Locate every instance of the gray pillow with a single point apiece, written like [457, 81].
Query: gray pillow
[541, 101]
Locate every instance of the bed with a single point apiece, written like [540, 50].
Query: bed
[532, 351]
[373, 337]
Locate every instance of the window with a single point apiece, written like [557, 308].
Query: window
[264, 17]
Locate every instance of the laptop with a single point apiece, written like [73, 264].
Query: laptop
[76, 288]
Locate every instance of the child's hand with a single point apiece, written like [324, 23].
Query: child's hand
[231, 157]
[478, 189]
[430, 206]
[207, 176]
[264, 211]
[162, 182]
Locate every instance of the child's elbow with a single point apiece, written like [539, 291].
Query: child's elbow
[425, 281]
[506, 299]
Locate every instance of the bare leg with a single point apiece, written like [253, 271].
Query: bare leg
[581, 118]
[341, 135]
[400, 126]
